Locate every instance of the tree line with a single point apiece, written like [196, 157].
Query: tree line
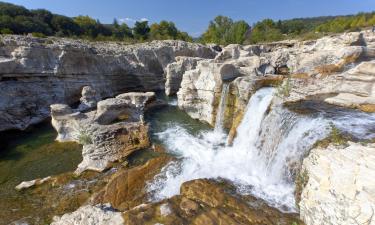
[16, 19]
[222, 30]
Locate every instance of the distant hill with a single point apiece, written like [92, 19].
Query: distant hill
[309, 28]
[16, 19]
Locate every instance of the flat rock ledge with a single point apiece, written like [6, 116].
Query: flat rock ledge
[108, 133]
[340, 189]
[90, 215]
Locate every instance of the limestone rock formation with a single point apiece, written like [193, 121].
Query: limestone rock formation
[340, 187]
[89, 98]
[175, 71]
[320, 68]
[35, 73]
[354, 88]
[201, 88]
[88, 215]
[108, 134]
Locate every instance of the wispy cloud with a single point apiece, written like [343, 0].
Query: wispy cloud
[129, 20]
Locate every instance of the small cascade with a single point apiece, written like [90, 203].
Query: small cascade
[270, 144]
[219, 122]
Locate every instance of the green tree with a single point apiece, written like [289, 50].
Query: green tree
[141, 30]
[65, 26]
[265, 31]
[222, 30]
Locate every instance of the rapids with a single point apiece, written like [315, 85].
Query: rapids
[271, 142]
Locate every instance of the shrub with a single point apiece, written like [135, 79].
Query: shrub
[6, 31]
[284, 89]
[84, 138]
[301, 182]
[38, 35]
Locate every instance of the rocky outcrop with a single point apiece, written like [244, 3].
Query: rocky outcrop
[35, 73]
[87, 215]
[207, 202]
[315, 68]
[201, 202]
[108, 134]
[176, 70]
[127, 188]
[27, 184]
[201, 88]
[340, 188]
[353, 89]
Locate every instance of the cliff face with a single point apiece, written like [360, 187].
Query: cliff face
[316, 70]
[35, 73]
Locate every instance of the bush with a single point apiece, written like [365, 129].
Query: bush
[6, 31]
[38, 35]
[84, 138]
[284, 89]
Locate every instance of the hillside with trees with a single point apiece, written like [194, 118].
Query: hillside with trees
[222, 30]
[19, 20]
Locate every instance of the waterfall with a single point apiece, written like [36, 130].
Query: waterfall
[219, 122]
[271, 142]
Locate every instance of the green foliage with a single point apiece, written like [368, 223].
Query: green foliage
[308, 28]
[301, 181]
[266, 30]
[38, 35]
[284, 89]
[84, 138]
[19, 20]
[336, 137]
[167, 31]
[222, 30]
[141, 30]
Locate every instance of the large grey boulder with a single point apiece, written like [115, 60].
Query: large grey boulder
[109, 133]
[340, 187]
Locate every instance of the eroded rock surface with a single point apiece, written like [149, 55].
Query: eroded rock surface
[35, 73]
[88, 215]
[340, 188]
[207, 202]
[108, 134]
[316, 69]
[353, 89]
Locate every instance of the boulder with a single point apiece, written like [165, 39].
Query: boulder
[88, 215]
[89, 98]
[108, 134]
[340, 188]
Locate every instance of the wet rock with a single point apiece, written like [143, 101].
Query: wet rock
[28, 184]
[127, 188]
[99, 215]
[340, 187]
[207, 202]
[36, 73]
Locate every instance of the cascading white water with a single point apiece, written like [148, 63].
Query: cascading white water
[269, 144]
[221, 109]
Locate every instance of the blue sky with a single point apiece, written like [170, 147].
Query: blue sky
[193, 15]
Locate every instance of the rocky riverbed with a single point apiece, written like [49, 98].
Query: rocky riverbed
[278, 133]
